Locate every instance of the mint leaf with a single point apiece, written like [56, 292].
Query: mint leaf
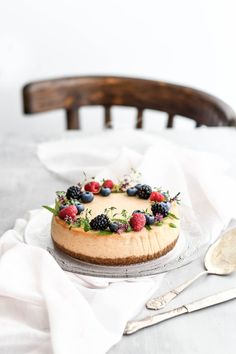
[52, 210]
[105, 232]
[148, 227]
[122, 221]
[85, 225]
[172, 225]
[57, 207]
[173, 216]
[160, 223]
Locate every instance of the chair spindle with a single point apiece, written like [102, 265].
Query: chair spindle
[72, 117]
[107, 120]
[139, 123]
[170, 121]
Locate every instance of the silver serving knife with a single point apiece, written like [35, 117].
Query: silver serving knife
[134, 326]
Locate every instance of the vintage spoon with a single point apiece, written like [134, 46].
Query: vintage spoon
[220, 259]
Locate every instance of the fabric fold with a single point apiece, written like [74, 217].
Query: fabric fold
[44, 309]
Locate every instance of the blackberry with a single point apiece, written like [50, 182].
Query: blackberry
[144, 191]
[100, 222]
[160, 208]
[73, 192]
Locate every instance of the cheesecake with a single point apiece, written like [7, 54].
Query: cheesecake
[115, 227]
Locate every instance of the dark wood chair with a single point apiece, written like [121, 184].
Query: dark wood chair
[72, 93]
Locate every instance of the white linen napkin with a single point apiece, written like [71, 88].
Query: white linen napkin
[44, 309]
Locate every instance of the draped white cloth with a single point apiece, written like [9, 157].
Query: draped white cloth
[44, 309]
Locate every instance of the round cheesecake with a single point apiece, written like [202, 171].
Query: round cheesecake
[117, 248]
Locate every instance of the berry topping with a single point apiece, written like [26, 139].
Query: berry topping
[114, 226]
[158, 217]
[168, 204]
[86, 197]
[80, 208]
[137, 221]
[137, 212]
[138, 186]
[100, 222]
[93, 187]
[160, 208]
[132, 191]
[73, 192]
[144, 192]
[150, 219]
[69, 211]
[108, 184]
[105, 191]
[157, 197]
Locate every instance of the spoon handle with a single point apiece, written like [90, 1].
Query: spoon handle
[161, 301]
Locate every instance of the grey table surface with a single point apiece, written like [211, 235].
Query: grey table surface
[25, 184]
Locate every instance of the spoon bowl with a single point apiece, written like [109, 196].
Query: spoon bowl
[220, 259]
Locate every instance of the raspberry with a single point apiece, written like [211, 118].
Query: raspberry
[137, 221]
[108, 184]
[69, 211]
[73, 192]
[93, 187]
[157, 197]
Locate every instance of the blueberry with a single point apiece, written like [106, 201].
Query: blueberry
[87, 197]
[168, 205]
[105, 191]
[137, 212]
[138, 186]
[80, 208]
[113, 226]
[132, 191]
[62, 206]
[150, 219]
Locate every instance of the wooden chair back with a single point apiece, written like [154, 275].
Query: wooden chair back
[73, 93]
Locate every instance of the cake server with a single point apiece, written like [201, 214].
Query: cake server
[134, 326]
[220, 259]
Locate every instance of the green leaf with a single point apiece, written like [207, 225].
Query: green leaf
[129, 229]
[124, 213]
[61, 193]
[173, 216]
[105, 232]
[52, 210]
[160, 223]
[122, 221]
[77, 223]
[172, 225]
[148, 227]
[86, 225]
[57, 207]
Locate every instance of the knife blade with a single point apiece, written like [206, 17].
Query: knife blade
[134, 326]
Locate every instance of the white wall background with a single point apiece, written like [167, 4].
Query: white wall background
[183, 41]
